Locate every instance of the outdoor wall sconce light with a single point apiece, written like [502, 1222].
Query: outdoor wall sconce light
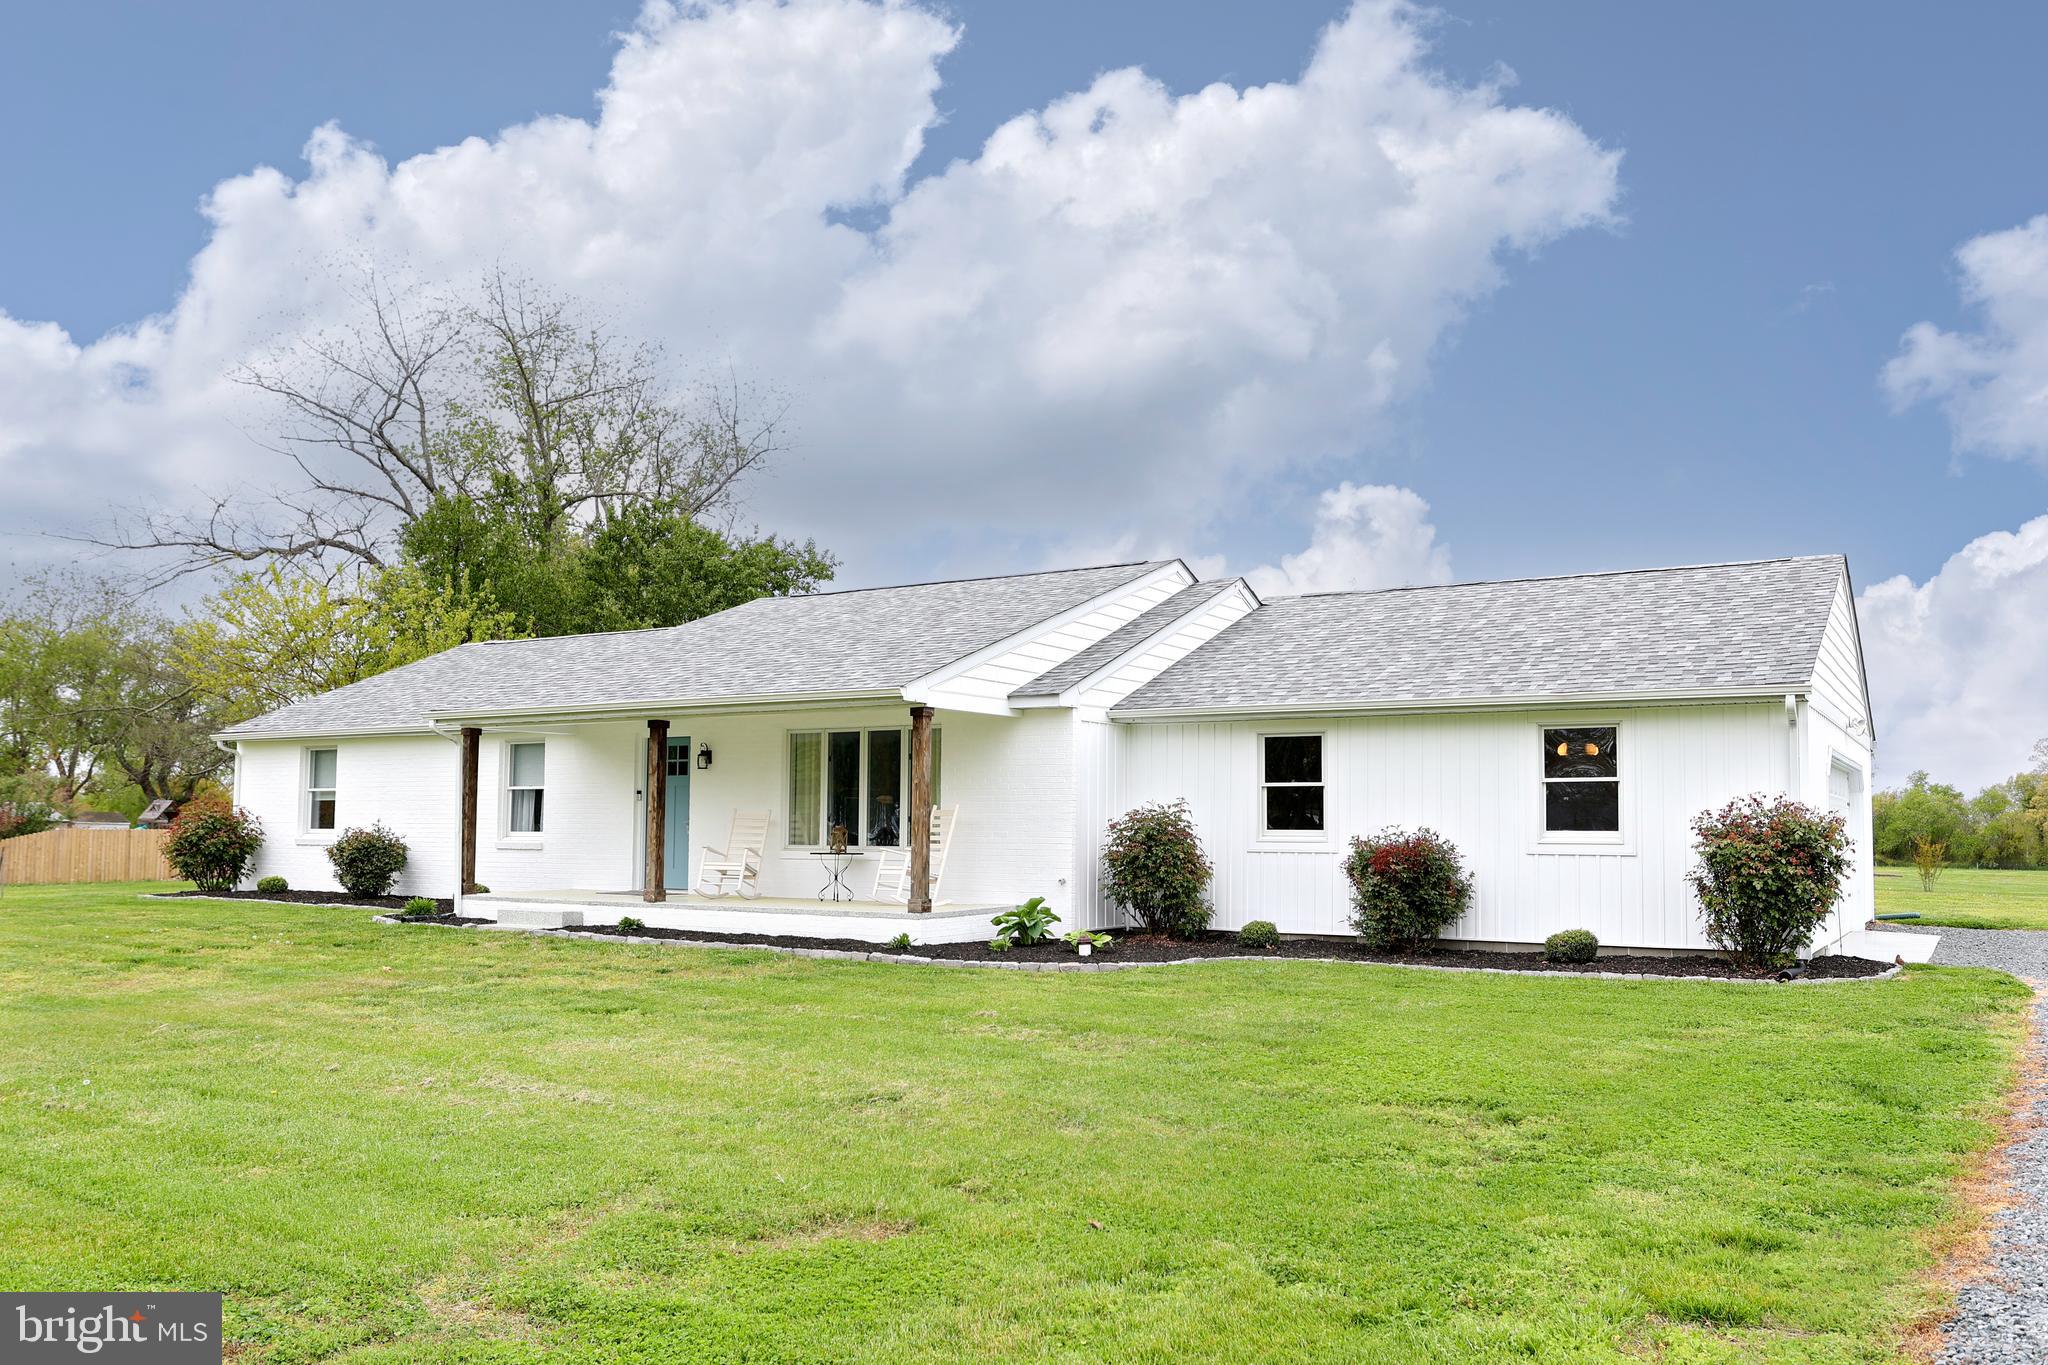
[703, 756]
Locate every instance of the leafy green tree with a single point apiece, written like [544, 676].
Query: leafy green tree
[92, 706]
[645, 565]
[63, 648]
[272, 637]
[1924, 810]
[650, 566]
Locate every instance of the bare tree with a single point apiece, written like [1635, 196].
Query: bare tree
[513, 394]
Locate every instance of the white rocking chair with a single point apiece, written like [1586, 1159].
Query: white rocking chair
[892, 876]
[737, 866]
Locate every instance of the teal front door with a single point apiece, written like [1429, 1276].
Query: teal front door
[676, 819]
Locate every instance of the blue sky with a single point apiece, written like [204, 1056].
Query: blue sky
[1699, 377]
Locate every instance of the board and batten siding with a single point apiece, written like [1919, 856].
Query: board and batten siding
[987, 685]
[1838, 673]
[1473, 777]
[1836, 729]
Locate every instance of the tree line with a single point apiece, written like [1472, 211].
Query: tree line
[2005, 825]
[491, 465]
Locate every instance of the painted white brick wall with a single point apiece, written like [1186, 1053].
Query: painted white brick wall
[1011, 777]
[411, 783]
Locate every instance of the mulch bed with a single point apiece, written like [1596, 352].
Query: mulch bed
[1138, 948]
[444, 905]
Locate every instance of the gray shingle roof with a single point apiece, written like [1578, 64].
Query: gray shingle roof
[1712, 627]
[869, 640]
[1122, 640]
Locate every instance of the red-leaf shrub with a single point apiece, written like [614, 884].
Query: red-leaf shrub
[1154, 867]
[1770, 871]
[1405, 888]
[212, 843]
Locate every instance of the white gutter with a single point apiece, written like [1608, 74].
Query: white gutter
[1522, 702]
[669, 707]
[439, 722]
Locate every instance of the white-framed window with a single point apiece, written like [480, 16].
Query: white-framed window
[322, 770]
[1293, 797]
[1581, 778]
[856, 778]
[525, 786]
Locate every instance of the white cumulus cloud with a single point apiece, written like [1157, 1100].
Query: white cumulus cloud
[1365, 536]
[1992, 383]
[1959, 664]
[1128, 307]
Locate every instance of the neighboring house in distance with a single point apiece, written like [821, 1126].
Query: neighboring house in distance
[1561, 731]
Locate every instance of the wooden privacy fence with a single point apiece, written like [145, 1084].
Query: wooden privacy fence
[84, 855]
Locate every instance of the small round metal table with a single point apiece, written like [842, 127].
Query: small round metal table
[835, 888]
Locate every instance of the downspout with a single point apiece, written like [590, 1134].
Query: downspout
[456, 740]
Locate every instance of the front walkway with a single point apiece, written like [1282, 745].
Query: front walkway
[2003, 1316]
[875, 922]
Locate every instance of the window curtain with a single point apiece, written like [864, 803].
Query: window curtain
[806, 788]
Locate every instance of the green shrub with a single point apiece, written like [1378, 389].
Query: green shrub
[1405, 888]
[271, 886]
[999, 945]
[419, 907]
[1769, 873]
[212, 843]
[367, 861]
[1260, 933]
[1030, 922]
[1571, 945]
[901, 943]
[1154, 867]
[479, 890]
[1095, 939]
[631, 924]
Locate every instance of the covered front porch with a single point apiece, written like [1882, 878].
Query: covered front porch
[876, 922]
[606, 816]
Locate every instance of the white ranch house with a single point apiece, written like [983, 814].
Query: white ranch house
[1561, 731]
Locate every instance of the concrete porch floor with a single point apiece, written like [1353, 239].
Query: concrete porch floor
[867, 921]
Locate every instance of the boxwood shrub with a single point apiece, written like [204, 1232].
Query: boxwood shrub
[1571, 945]
[1405, 888]
[1260, 933]
[367, 861]
[271, 886]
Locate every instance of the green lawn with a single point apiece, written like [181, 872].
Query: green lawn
[1968, 897]
[433, 1145]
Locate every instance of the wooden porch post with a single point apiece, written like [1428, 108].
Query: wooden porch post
[472, 742]
[654, 887]
[921, 809]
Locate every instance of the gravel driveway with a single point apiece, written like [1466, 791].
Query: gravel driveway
[2004, 1316]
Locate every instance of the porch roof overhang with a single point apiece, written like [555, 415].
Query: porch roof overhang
[443, 722]
[675, 706]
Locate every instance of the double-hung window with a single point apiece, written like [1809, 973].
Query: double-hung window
[857, 779]
[526, 786]
[321, 765]
[1291, 792]
[1582, 782]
